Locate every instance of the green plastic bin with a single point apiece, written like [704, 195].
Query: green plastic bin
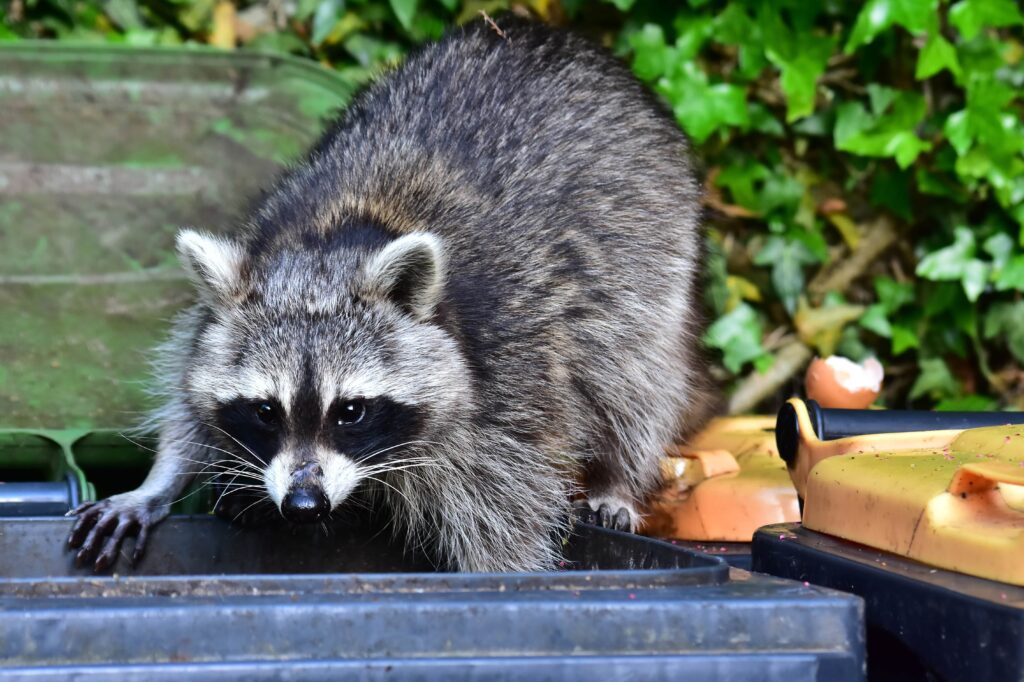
[104, 153]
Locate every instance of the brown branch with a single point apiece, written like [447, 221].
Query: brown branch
[788, 361]
[877, 237]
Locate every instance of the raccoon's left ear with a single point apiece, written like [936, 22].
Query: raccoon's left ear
[408, 272]
[214, 263]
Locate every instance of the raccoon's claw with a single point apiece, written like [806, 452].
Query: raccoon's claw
[620, 520]
[102, 527]
[583, 513]
[604, 517]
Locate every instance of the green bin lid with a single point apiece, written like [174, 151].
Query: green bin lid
[104, 153]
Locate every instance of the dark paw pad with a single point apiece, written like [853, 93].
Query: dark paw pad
[604, 517]
[583, 513]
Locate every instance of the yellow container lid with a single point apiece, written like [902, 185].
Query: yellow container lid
[950, 499]
[723, 485]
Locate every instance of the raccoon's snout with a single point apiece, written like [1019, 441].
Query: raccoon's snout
[306, 472]
[306, 501]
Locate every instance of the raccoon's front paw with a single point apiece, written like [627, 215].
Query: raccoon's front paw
[607, 513]
[102, 527]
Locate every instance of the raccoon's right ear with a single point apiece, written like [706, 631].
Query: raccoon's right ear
[408, 272]
[214, 263]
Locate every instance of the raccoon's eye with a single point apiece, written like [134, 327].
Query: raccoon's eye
[351, 412]
[266, 413]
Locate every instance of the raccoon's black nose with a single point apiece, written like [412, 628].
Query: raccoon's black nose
[305, 505]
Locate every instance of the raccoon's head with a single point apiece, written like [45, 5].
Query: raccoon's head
[319, 363]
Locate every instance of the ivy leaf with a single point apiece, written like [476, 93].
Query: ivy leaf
[1006, 319]
[975, 278]
[738, 335]
[940, 297]
[875, 319]
[893, 295]
[801, 56]
[743, 181]
[958, 131]
[935, 380]
[948, 263]
[983, 121]
[969, 16]
[1011, 276]
[734, 26]
[787, 258]
[780, 192]
[886, 131]
[651, 56]
[326, 15]
[936, 55]
[405, 10]
[763, 120]
[692, 33]
[623, 5]
[801, 72]
[700, 108]
[957, 262]
[903, 339]
[1000, 247]
[878, 15]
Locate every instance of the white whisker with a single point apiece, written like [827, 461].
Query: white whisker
[240, 443]
[385, 483]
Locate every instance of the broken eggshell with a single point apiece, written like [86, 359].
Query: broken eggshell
[839, 382]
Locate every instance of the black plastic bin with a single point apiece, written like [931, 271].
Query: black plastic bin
[209, 600]
[923, 623]
[736, 554]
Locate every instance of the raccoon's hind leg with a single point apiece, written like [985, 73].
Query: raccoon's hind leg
[103, 525]
[621, 471]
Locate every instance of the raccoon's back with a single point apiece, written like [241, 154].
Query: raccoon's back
[560, 187]
[485, 137]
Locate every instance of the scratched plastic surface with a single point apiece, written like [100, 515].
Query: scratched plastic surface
[104, 154]
[353, 604]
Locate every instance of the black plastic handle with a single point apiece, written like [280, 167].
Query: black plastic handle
[832, 424]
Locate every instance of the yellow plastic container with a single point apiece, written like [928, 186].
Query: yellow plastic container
[951, 499]
[724, 484]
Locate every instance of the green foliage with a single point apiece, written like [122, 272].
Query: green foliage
[815, 122]
[738, 335]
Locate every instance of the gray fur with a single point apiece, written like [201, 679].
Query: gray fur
[534, 310]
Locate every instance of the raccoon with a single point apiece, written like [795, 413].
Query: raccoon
[475, 298]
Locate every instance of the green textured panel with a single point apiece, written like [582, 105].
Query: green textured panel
[104, 153]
